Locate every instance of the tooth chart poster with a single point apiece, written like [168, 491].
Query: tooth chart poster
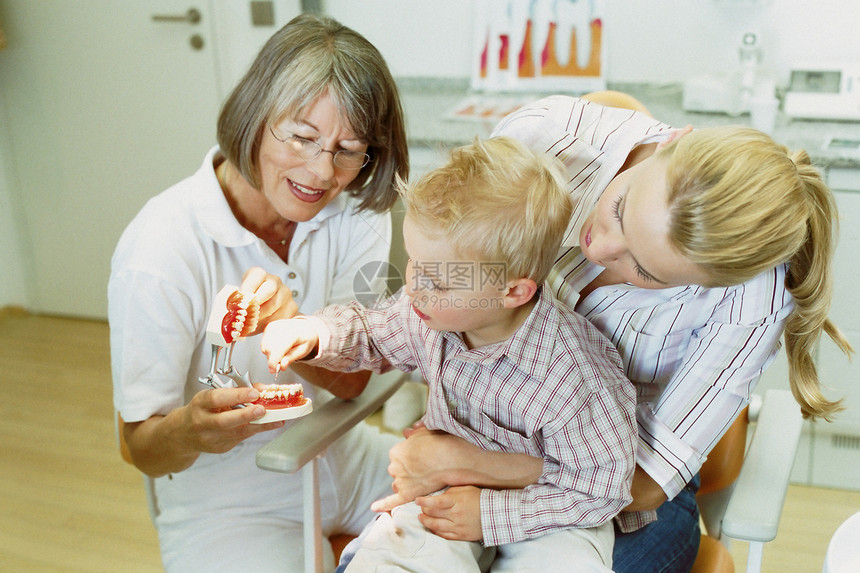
[539, 45]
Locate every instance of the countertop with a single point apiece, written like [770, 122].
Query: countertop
[429, 104]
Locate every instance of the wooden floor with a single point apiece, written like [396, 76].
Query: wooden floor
[69, 503]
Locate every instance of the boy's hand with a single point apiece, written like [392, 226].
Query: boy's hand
[454, 514]
[386, 504]
[285, 341]
[415, 466]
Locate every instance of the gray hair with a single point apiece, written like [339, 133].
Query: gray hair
[307, 58]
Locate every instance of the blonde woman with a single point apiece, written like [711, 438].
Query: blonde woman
[309, 144]
[694, 251]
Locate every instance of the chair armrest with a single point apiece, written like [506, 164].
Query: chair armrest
[311, 435]
[756, 505]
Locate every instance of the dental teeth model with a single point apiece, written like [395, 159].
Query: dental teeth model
[235, 314]
[276, 396]
[282, 402]
[241, 317]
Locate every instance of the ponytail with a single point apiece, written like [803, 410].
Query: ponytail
[809, 281]
[741, 204]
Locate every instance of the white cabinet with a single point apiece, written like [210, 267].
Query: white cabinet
[829, 453]
[836, 369]
[835, 447]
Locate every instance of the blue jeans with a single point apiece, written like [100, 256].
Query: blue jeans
[668, 545]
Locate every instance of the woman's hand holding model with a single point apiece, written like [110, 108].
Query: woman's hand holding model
[210, 422]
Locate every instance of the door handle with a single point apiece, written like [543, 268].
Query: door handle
[191, 17]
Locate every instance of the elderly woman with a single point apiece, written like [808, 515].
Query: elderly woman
[309, 145]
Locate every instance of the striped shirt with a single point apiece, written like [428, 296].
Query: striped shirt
[693, 353]
[553, 390]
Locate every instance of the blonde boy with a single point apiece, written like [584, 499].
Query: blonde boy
[508, 367]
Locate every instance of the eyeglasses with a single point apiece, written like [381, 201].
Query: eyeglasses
[310, 150]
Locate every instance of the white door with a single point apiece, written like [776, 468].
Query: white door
[105, 107]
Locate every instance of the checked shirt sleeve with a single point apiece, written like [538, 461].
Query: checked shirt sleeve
[358, 338]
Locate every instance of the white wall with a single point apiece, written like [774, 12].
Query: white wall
[239, 41]
[39, 167]
[648, 40]
[13, 291]
[419, 38]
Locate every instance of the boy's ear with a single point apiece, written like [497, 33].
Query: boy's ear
[520, 291]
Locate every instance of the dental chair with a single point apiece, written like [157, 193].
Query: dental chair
[148, 482]
[743, 488]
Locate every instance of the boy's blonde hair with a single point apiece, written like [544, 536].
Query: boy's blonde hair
[741, 204]
[498, 201]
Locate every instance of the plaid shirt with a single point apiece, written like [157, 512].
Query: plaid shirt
[693, 353]
[553, 390]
